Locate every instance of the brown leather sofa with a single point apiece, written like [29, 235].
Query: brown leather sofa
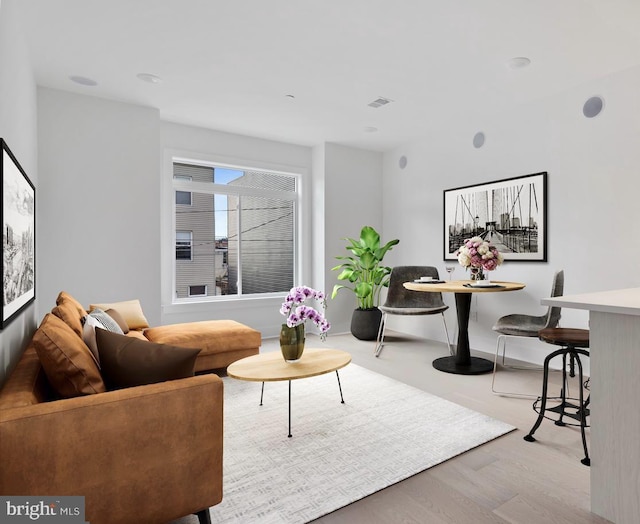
[221, 342]
[143, 454]
[147, 454]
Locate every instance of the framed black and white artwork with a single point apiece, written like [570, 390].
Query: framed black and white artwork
[18, 238]
[510, 213]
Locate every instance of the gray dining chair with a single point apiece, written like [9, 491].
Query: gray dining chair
[525, 326]
[402, 301]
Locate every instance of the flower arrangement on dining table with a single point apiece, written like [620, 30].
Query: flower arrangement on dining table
[297, 313]
[479, 254]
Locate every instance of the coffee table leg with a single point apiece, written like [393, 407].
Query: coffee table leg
[289, 435]
[261, 393]
[339, 387]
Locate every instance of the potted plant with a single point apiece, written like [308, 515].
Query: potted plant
[366, 277]
[292, 332]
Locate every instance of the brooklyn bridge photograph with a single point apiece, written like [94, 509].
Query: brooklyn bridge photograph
[509, 213]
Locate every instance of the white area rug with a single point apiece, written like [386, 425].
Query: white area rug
[339, 453]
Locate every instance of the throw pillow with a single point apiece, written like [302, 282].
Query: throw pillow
[89, 335]
[113, 313]
[66, 360]
[63, 296]
[68, 312]
[131, 311]
[128, 361]
[107, 322]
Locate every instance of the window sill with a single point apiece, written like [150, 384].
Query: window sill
[229, 303]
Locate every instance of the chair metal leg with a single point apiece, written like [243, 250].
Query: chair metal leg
[446, 332]
[381, 330]
[503, 338]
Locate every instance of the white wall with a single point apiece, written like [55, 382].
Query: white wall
[593, 184]
[353, 199]
[107, 199]
[99, 201]
[18, 121]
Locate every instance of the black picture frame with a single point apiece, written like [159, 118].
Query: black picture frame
[511, 213]
[18, 238]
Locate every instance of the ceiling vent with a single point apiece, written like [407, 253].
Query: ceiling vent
[379, 102]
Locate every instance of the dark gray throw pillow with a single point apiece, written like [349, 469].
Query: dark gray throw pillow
[127, 361]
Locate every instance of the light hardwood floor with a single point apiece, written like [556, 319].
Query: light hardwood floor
[507, 480]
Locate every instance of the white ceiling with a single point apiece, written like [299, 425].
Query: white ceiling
[229, 64]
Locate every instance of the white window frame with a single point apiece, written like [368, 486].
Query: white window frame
[302, 245]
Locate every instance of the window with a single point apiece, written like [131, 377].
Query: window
[184, 242]
[197, 291]
[242, 226]
[183, 198]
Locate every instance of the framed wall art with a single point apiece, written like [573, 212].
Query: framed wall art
[18, 238]
[509, 213]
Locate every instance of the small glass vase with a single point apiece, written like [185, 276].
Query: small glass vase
[476, 273]
[292, 342]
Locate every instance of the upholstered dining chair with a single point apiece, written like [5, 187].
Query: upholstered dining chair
[525, 326]
[402, 301]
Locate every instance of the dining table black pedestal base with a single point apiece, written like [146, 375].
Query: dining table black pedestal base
[476, 366]
[462, 363]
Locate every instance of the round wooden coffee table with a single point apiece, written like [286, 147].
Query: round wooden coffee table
[271, 367]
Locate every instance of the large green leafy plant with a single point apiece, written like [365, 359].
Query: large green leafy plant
[364, 270]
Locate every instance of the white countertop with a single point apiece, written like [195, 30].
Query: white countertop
[621, 301]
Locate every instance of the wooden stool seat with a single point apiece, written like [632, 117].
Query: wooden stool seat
[577, 338]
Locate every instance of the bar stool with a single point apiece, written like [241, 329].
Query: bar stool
[573, 342]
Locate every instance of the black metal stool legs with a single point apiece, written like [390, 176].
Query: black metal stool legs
[583, 416]
[543, 398]
[582, 410]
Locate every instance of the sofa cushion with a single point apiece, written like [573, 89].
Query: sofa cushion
[113, 313]
[134, 333]
[63, 296]
[129, 361]
[130, 310]
[69, 313]
[66, 359]
[212, 336]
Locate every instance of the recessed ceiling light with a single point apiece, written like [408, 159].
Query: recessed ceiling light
[593, 106]
[148, 77]
[83, 81]
[370, 129]
[478, 140]
[518, 62]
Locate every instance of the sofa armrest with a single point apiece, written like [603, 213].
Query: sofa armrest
[145, 454]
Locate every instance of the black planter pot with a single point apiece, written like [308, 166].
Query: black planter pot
[365, 323]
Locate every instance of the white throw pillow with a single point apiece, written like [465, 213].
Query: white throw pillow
[89, 325]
